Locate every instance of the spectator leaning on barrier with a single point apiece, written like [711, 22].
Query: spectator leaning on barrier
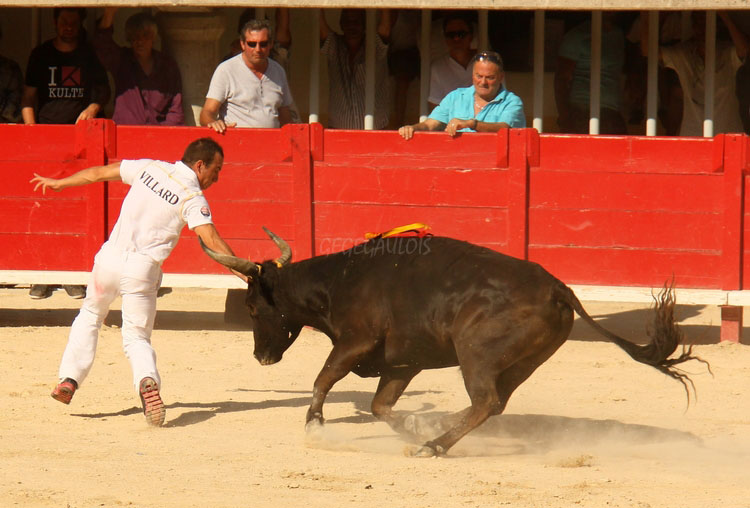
[486, 106]
[346, 69]
[280, 49]
[249, 89]
[162, 199]
[148, 85]
[11, 87]
[64, 79]
[65, 83]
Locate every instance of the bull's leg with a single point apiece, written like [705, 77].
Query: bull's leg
[506, 383]
[339, 363]
[494, 367]
[484, 400]
[391, 386]
[512, 377]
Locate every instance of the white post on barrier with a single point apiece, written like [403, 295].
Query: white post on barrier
[538, 70]
[424, 64]
[708, 98]
[370, 70]
[596, 72]
[653, 69]
[315, 67]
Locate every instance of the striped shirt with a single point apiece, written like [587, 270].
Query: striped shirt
[346, 100]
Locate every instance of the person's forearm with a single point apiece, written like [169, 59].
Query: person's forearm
[83, 177]
[283, 32]
[90, 175]
[738, 37]
[108, 17]
[175, 115]
[216, 243]
[28, 115]
[209, 235]
[323, 28]
[94, 108]
[385, 25]
[206, 117]
[107, 50]
[489, 126]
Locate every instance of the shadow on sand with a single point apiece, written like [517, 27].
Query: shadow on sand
[198, 412]
[514, 433]
[165, 319]
[630, 324]
[539, 433]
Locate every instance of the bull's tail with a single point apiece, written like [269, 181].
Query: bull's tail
[664, 334]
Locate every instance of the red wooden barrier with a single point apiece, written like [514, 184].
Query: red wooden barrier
[592, 209]
[633, 209]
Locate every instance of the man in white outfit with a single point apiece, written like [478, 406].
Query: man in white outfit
[163, 197]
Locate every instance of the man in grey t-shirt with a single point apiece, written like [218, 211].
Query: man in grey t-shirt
[250, 89]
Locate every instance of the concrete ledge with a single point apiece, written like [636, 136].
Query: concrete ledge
[584, 292]
[175, 280]
[645, 295]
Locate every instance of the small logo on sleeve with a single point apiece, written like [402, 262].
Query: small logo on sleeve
[205, 211]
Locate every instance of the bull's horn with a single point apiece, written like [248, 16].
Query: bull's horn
[243, 266]
[286, 251]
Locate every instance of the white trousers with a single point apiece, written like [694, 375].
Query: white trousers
[136, 278]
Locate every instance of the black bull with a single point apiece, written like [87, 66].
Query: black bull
[393, 307]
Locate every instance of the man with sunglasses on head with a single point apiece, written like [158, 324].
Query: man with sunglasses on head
[452, 70]
[249, 89]
[486, 106]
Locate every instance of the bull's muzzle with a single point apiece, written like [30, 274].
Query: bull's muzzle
[266, 359]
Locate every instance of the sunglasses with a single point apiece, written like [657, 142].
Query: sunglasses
[489, 56]
[456, 34]
[252, 44]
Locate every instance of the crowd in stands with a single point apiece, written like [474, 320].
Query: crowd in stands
[66, 81]
[250, 87]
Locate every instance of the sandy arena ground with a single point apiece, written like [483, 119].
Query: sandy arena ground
[590, 428]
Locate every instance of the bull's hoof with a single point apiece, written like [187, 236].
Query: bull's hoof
[424, 452]
[314, 425]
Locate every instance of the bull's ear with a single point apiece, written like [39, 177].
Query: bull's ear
[268, 279]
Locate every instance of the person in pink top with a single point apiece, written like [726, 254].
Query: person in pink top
[148, 85]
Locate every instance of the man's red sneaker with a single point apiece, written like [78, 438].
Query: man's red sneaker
[153, 407]
[65, 390]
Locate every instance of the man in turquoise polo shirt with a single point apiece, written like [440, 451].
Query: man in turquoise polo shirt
[486, 106]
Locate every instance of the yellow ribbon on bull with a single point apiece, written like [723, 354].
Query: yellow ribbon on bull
[416, 227]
